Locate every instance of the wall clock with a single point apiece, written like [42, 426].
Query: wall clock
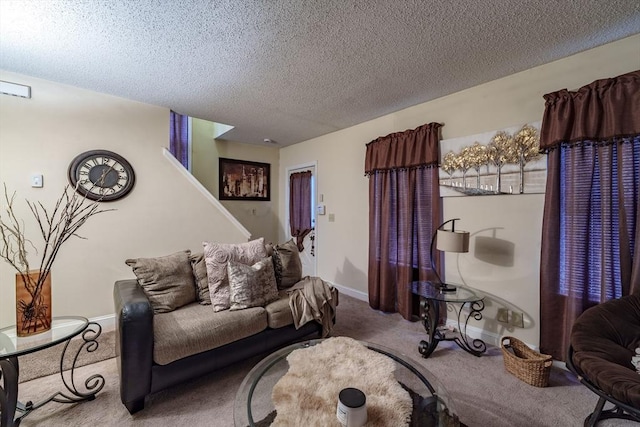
[101, 175]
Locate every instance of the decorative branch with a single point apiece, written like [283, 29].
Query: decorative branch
[70, 212]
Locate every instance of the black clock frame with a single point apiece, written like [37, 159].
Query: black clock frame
[81, 159]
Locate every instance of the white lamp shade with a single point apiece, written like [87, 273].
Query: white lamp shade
[453, 241]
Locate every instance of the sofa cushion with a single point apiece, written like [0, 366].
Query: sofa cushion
[199, 267]
[279, 312]
[196, 328]
[216, 257]
[287, 264]
[251, 285]
[167, 281]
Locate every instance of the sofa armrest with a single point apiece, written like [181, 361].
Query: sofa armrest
[134, 342]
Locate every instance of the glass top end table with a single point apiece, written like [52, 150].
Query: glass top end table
[431, 297]
[63, 329]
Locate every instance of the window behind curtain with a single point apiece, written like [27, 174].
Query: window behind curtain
[590, 225]
[180, 138]
[404, 209]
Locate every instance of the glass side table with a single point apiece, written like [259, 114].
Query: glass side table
[430, 300]
[11, 347]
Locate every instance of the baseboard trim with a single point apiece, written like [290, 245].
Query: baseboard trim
[473, 332]
[107, 322]
[362, 296]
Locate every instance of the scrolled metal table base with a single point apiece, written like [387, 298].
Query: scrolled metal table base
[431, 318]
[9, 373]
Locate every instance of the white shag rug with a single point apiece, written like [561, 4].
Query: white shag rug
[307, 395]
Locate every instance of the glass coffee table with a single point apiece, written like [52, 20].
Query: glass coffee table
[254, 406]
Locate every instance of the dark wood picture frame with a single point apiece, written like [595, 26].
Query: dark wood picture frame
[244, 180]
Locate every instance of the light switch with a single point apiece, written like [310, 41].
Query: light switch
[36, 180]
[332, 217]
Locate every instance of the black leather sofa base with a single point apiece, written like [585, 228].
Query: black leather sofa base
[140, 376]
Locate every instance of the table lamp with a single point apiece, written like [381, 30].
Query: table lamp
[448, 241]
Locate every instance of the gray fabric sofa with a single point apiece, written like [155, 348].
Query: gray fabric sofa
[158, 350]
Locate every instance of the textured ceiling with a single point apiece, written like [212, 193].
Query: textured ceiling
[292, 70]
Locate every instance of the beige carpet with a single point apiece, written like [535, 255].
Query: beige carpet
[32, 366]
[483, 394]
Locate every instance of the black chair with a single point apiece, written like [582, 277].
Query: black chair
[603, 340]
[619, 410]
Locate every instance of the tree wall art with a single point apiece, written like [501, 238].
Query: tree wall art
[507, 161]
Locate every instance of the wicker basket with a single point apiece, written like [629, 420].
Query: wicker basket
[526, 364]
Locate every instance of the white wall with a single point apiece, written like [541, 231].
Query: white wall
[511, 101]
[163, 213]
[259, 217]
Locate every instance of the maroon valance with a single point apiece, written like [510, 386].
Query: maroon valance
[600, 111]
[412, 148]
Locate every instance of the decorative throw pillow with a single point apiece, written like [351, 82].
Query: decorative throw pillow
[216, 257]
[199, 268]
[251, 285]
[167, 281]
[269, 248]
[287, 264]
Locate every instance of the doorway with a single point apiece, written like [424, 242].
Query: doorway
[308, 255]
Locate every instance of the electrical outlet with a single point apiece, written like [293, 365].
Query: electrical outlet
[517, 319]
[503, 315]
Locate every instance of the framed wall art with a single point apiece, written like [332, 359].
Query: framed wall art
[506, 161]
[244, 180]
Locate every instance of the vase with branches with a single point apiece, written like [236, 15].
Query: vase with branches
[70, 212]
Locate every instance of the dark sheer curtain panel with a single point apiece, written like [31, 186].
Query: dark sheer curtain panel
[179, 138]
[300, 206]
[591, 225]
[404, 210]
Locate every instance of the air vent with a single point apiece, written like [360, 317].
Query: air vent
[14, 89]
